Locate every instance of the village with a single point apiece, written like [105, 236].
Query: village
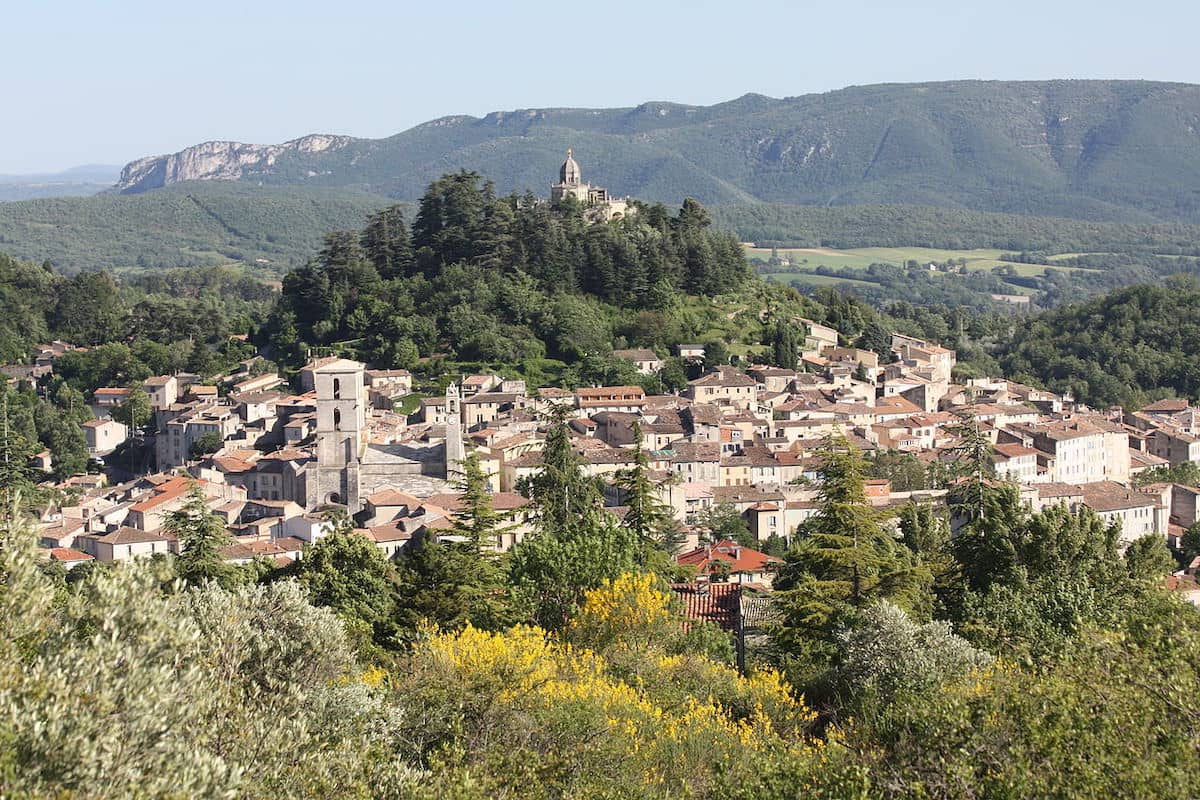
[747, 440]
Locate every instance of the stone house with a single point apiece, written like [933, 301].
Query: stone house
[104, 435]
[646, 361]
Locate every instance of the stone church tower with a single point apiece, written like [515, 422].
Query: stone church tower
[341, 435]
[455, 449]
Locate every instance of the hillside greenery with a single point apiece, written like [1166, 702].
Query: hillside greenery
[1130, 346]
[910, 225]
[200, 224]
[1098, 150]
[509, 281]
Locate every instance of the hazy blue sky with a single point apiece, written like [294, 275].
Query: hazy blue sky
[84, 81]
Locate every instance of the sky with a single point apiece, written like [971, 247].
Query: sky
[88, 82]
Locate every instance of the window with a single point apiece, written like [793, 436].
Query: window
[337, 389]
[337, 419]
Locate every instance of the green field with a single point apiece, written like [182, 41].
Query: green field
[863, 257]
[810, 279]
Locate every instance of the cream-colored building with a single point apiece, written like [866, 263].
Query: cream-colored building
[594, 198]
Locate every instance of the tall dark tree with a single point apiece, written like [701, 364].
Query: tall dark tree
[785, 345]
[201, 534]
[648, 519]
[387, 244]
[844, 559]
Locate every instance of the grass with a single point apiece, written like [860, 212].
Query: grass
[409, 403]
[809, 278]
[863, 257]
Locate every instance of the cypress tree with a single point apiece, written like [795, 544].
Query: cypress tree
[647, 519]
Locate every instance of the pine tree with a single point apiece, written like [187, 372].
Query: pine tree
[575, 545]
[647, 518]
[973, 470]
[562, 495]
[477, 520]
[844, 559]
[202, 534]
[386, 243]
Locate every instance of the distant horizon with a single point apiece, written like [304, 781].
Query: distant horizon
[118, 165]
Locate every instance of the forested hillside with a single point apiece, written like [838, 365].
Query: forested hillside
[948, 228]
[1131, 346]
[1114, 150]
[187, 225]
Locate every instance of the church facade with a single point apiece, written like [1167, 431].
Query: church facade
[348, 466]
[593, 198]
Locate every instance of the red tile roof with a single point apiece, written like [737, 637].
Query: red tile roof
[718, 603]
[737, 557]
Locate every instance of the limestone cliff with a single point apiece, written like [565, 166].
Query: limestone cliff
[219, 161]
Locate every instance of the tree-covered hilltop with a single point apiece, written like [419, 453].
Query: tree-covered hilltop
[506, 279]
[1129, 347]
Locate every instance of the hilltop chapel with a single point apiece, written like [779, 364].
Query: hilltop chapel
[594, 198]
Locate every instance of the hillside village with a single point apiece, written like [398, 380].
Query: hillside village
[747, 439]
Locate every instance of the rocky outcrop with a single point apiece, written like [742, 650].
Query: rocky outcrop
[215, 161]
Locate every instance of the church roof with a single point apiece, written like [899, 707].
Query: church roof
[569, 171]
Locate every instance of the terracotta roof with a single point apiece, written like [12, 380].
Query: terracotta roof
[501, 501]
[739, 559]
[718, 603]
[393, 532]
[164, 492]
[605, 391]
[1109, 496]
[640, 354]
[124, 535]
[724, 377]
[69, 554]
[1168, 406]
[1012, 450]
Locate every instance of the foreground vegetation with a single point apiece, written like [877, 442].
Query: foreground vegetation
[1023, 657]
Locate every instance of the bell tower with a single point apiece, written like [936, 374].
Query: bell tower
[455, 450]
[341, 435]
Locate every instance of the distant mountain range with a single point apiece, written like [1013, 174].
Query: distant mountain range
[1111, 150]
[75, 182]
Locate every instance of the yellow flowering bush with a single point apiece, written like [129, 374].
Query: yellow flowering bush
[631, 610]
[524, 698]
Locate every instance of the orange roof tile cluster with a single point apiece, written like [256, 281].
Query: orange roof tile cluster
[737, 557]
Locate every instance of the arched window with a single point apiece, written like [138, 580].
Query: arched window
[337, 419]
[337, 388]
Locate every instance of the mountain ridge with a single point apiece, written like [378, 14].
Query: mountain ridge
[1088, 149]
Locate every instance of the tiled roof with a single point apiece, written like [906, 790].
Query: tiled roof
[69, 554]
[718, 603]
